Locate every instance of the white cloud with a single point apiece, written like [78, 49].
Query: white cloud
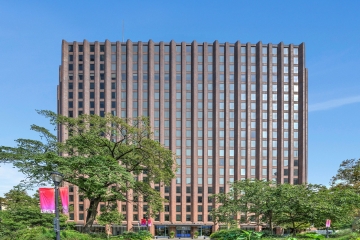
[333, 103]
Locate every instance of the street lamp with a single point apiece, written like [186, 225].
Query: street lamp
[57, 178]
[146, 219]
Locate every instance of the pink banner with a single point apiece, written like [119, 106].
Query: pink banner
[328, 222]
[149, 222]
[47, 200]
[64, 195]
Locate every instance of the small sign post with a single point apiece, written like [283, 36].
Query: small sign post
[328, 222]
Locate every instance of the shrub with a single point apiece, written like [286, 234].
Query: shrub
[340, 233]
[314, 236]
[141, 235]
[41, 233]
[227, 234]
[236, 233]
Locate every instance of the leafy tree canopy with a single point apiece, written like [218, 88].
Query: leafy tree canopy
[348, 174]
[290, 206]
[101, 155]
[248, 196]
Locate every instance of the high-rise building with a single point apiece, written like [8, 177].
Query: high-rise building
[229, 111]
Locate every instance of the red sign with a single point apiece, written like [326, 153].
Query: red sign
[47, 200]
[64, 195]
[143, 222]
[328, 222]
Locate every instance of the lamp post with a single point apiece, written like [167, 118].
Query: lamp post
[57, 178]
[146, 219]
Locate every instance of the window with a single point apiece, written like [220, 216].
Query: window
[188, 208]
[296, 52]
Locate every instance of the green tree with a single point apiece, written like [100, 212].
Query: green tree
[348, 174]
[347, 179]
[254, 198]
[258, 198]
[286, 205]
[305, 205]
[226, 210]
[297, 206]
[22, 212]
[109, 216]
[338, 204]
[102, 156]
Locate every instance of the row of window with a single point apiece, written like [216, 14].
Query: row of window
[157, 218]
[188, 49]
[200, 60]
[243, 68]
[188, 77]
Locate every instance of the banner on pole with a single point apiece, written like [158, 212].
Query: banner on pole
[47, 200]
[64, 195]
[149, 222]
[328, 222]
[143, 222]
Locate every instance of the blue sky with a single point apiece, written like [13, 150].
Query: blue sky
[30, 52]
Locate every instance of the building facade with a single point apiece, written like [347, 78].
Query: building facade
[229, 111]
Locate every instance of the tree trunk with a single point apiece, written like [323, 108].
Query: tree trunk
[91, 214]
[271, 223]
[108, 230]
[294, 230]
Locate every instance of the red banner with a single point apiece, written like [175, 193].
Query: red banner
[149, 222]
[143, 222]
[64, 195]
[47, 200]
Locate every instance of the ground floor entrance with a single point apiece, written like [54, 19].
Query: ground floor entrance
[161, 231]
[182, 231]
[205, 230]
